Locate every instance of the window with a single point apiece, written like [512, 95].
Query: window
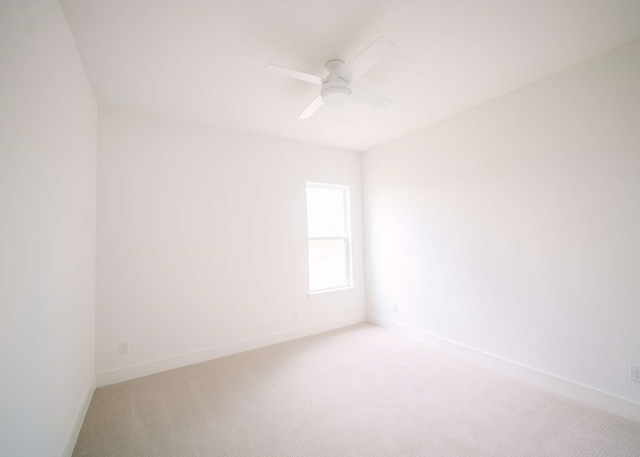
[329, 237]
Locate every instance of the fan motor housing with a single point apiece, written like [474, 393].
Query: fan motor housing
[335, 90]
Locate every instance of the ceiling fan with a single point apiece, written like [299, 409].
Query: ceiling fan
[336, 87]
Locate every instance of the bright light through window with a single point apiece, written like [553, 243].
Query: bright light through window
[329, 237]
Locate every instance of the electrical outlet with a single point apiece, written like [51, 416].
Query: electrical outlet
[395, 308]
[123, 347]
[295, 314]
[634, 373]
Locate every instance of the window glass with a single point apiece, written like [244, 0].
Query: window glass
[326, 212]
[329, 243]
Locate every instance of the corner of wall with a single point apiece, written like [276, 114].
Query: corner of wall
[80, 415]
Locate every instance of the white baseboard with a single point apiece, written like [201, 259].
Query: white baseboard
[594, 397]
[77, 425]
[156, 366]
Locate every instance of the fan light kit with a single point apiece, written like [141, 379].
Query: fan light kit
[336, 87]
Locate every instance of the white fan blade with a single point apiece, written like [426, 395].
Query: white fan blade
[312, 108]
[295, 74]
[371, 98]
[368, 58]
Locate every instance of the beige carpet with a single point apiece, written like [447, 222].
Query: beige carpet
[360, 391]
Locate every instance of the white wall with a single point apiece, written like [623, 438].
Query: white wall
[514, 227]
[48, 123]
[202, 242]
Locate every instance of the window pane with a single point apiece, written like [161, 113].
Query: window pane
[327, 264]
[326, 212]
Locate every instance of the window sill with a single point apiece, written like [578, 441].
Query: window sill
[328, 291]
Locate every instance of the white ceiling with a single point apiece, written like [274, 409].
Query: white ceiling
[203, 60]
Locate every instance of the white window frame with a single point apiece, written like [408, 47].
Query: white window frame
[346, 238]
